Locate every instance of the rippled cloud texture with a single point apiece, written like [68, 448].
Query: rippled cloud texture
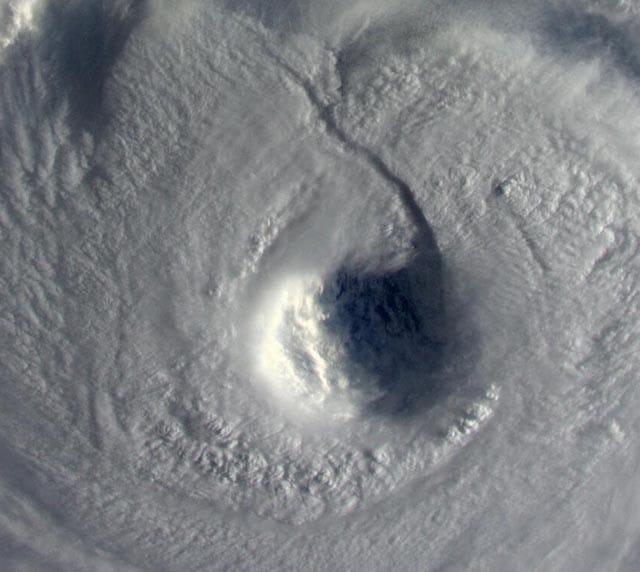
[319, 285]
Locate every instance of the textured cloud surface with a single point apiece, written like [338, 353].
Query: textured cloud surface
[300, 285]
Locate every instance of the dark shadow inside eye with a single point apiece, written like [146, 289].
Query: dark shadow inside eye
[393, 326]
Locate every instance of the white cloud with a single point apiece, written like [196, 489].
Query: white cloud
[16, 16]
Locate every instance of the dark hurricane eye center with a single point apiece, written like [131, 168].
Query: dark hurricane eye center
[392, 325]
[356, 341]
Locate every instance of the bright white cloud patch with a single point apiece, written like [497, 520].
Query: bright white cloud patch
[16, 16]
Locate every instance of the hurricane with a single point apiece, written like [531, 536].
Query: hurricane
[343, 285]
